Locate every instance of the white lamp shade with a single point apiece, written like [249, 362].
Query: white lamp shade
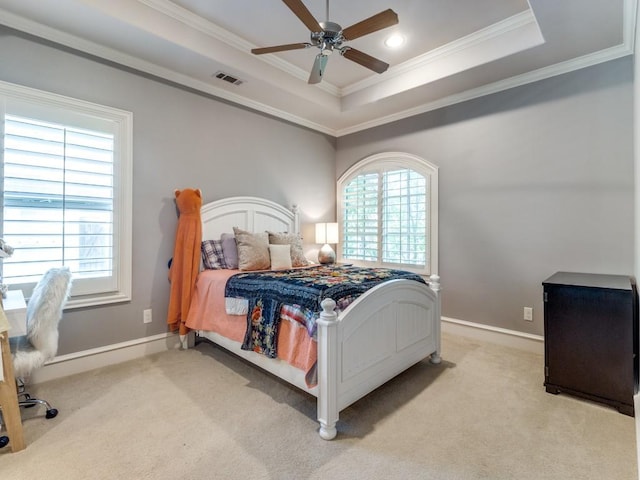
[326, 233]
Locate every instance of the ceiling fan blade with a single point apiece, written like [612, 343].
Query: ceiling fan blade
[372, 24]
[300, 11]
[365, 60]
[279, 48]
[317, 72]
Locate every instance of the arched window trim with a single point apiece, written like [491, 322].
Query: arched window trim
[385, 161]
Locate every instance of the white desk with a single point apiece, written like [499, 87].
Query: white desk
[15, 308]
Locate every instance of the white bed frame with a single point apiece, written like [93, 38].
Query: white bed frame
[385, 331]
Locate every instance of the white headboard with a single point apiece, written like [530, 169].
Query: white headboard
[249, 213]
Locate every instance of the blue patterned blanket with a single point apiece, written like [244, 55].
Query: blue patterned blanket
[266, 292]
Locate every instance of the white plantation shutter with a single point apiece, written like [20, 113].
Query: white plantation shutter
[58, 200]
[360, 225]
[404, 218]
[388, 213]
[66, 195]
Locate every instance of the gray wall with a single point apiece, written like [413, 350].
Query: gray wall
[533, 180]
[181, 139]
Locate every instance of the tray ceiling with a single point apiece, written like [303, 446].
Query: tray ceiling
[453, 51]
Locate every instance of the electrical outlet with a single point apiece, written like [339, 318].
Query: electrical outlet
[146, 316]
[528, 314]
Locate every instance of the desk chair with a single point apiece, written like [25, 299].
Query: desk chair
[44, 312]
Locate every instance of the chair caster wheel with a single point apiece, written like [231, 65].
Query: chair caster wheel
[52, 413]
[4, 441]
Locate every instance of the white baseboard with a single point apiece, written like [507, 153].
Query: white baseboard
[78, 362]
[501, 336]
[64, 365]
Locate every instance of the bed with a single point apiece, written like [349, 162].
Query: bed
[380, 334]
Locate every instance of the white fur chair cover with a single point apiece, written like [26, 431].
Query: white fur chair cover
[44, 312]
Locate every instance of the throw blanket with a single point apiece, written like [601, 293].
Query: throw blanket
[307, 287]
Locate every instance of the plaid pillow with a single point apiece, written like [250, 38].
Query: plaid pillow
[212, 255]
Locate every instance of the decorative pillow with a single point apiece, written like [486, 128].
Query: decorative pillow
[280, 256]
[253, 250]
[295, 240]
[230, 250]
[212, 255]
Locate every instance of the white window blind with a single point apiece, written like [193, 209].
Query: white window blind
[58, 200]
[404, 219]
[388, 213]
[66, 193]
[360, 224]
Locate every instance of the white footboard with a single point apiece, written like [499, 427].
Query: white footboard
[381, 334]
[384, 332]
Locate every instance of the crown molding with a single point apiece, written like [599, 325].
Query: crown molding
[627, 47]
[56, 36]
[516, 81]
[515, 22]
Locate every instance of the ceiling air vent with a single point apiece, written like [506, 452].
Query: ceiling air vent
[228, 78]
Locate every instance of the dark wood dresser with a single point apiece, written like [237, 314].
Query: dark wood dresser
[591, 337]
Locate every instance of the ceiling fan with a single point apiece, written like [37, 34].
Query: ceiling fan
[329, 37]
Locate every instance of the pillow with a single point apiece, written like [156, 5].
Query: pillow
[280, 256]
[295, 240]
[253, 250]
[212, 255]
[229, 250]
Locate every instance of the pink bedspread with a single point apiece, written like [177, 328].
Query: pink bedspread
[207, 312]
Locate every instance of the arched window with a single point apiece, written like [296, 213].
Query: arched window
[388, 213]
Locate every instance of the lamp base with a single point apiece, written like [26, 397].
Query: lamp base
[326, 255]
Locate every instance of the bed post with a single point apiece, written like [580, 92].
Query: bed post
[434, 283]
[328, 370]
[296, 217]
[188, 341]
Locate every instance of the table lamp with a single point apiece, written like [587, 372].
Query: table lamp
[326, 233]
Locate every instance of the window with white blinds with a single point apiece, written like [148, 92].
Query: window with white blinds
[388, 213]
[66, 195]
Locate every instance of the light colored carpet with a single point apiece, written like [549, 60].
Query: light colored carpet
[204, 414]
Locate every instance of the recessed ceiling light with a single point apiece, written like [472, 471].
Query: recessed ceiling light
[394, 41]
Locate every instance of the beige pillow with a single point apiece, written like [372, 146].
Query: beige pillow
[280, 256]
[295, 240]
[253, 250]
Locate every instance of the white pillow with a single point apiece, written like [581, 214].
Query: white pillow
[280, 256]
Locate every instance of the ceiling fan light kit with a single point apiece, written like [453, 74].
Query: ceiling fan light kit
[329, 36]
[394, 41]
